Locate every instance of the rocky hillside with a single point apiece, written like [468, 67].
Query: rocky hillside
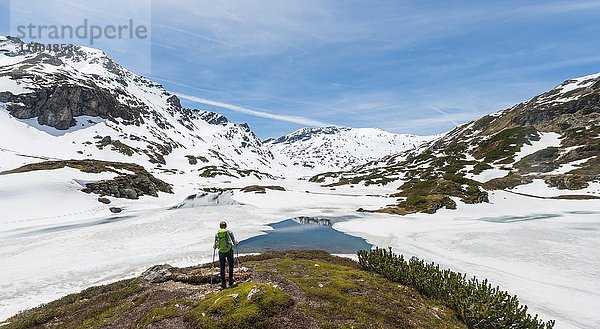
[275, 290]
[548, 146]
[335, 148]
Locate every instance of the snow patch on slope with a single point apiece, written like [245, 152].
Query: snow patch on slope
[12, 86]
[539, 188]
[488, 174]
[546, 140]
[81, 122]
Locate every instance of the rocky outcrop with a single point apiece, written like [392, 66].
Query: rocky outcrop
[126, 185]
[115, 210]
[158, 273]
[193, 160]
[58, 106]
[116, 146]
[104, 200]
[262, 188]
[129, 186]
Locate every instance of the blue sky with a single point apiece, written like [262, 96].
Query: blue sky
[404, 66]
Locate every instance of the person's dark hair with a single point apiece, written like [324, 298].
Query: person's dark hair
[223, 224]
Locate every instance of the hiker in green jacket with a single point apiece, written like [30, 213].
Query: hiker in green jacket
[224, 241]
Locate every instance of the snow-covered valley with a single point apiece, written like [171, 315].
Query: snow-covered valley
[545, 251]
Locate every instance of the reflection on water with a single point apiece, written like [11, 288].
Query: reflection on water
[312, 220]
[304, 233]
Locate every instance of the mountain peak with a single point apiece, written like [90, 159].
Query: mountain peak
[330, 148]
[307, 133]
[212, 117]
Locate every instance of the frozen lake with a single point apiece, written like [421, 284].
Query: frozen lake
[545, 251]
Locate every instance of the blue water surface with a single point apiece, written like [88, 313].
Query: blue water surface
[304, 233]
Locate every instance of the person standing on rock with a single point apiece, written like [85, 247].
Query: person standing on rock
[224, 241]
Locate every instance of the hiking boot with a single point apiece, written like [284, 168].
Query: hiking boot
[231, 283]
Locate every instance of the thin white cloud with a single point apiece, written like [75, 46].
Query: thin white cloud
[447, 116]
[261, 114]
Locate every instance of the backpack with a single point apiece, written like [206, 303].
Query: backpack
[224, 242]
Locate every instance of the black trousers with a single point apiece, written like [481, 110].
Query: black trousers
[222, 257]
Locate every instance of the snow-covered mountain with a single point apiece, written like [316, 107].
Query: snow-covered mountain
[340, 148]
[83, 105]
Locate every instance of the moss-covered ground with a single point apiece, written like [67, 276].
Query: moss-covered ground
[299, 289]
[342, 296]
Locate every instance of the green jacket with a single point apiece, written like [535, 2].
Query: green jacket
[224, 240]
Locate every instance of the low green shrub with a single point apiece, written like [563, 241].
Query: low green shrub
[477, 303]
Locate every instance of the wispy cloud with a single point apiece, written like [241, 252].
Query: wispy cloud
[261, 114]
[446, 116]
